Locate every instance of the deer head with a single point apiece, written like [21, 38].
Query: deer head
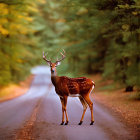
[54, 65]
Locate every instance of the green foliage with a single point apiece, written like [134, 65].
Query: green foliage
[113, 30]
[17, 46]
[98, 36]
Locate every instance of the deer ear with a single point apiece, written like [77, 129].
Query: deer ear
[58, 63]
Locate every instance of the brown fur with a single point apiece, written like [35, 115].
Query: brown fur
[70, 86]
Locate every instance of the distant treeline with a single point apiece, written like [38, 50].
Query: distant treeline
[99, 36]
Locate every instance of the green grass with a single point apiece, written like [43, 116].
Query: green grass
[108, 87]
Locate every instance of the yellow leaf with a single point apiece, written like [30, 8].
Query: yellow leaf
[3, 9]
[33, 9]
[27, 18]
[134, 13]
[42, 1]
[125, 27]
[3, 21]
[3, 31]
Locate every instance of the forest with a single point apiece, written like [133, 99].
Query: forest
[98, 36]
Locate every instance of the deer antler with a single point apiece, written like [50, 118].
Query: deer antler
[44, 57]
[63, 56]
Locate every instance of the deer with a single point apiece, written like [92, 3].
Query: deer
[71, 87]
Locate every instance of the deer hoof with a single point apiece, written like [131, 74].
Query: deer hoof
[66, 123]
[91, 122]
[80, 122]
[62, 123]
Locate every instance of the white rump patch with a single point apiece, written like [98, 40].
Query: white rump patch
[92, 87]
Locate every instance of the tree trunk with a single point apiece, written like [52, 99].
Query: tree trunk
[129, 88]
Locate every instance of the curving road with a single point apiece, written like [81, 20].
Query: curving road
[37, 114]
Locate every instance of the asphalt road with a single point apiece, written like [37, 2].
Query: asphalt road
[36, 115]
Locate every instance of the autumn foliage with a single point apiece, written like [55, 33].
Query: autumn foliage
[98, 37]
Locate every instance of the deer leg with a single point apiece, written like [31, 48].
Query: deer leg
[90, 104]
[62, 103]
[65, 109]
[84, 109]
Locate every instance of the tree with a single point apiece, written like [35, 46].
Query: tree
[16, 46]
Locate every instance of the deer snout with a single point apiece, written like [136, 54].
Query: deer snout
[53, 71]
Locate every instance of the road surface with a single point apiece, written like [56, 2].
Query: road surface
[36, 115]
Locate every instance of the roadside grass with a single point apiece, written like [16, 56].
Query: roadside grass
[107, 87]
[113, 96]
[135, 96]
[6, 91]
[13, 90]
